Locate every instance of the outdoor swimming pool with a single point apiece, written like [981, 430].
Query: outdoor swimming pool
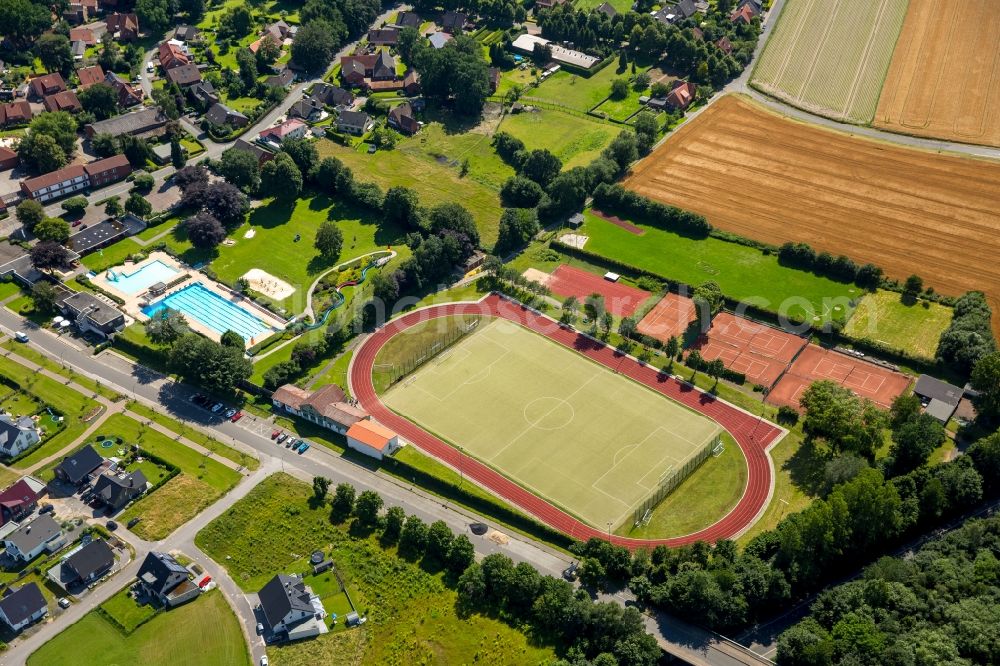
[202, 305]
[148, 275]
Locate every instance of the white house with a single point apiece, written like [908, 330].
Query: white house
[289, 607]
[23, 606]
[372, 439]
[29, 540]
[17, 436]
[327, 406]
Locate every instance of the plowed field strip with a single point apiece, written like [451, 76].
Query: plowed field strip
[908, 211]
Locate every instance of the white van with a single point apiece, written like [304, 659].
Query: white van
[20, 336]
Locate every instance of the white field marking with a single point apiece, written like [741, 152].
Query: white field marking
[559, 401]
[542, 417]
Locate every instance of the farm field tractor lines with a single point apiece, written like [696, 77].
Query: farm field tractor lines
[830, 58]
[954, 43]
[908, 211]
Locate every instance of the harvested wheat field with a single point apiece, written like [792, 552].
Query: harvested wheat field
[944, 80]
[766, 177]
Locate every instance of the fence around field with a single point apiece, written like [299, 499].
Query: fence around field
[390, 374]
[674, 479]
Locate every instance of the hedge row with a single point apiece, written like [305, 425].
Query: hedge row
[488, 507]
[617, 198]
[731, 375]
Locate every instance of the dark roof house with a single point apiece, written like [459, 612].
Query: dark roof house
[185, 75]
[383, 36]
[22, 606]
[76, 468]
[117, 490]
[88, 564]
[287, 603]
[205, 93]
[281, 79]
[220, 114]
[331, 95]
[63, 101]
[408, 20]
[143, 124]
[164, 578]
[941, 398]
[453, 22]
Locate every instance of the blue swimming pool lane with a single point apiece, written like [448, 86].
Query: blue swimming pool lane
[200, 304]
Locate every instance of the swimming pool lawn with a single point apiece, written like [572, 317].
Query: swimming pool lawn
[274, 249]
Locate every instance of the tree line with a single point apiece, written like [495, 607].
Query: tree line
[583, 631]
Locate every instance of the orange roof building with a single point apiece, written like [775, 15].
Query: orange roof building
[371, 439]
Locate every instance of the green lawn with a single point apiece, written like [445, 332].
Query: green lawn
[70, 404]
[435, 181]
[536, 412]
[412, 614]
[707, 495]
[203, 632]
[8, 289]
[621, 109]
[124, 610]
[444, 141]
[196, 436]
[573, 139]
[190, 462]
[742, 272]
[883, 317]
[31, 354]
[111, 255]
[274, 249]
[579, 92]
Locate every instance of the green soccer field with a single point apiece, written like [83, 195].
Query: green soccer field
[593, 442]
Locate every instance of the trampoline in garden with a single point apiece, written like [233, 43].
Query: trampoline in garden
[107, 444]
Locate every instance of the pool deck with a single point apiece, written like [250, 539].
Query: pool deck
[186, 276]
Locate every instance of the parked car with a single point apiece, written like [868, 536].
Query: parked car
[260, 628]
[230, 413]
[303, 448]
[76, 223]
[275, 434]
[217, 407]
[263, 661]
[292, 443]
[132, 523]
[236, 417]
[282, 437]
[111, 525]
[46, 508]
[21, 336]
[63, 602]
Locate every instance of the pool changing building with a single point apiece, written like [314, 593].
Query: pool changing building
[526, 44]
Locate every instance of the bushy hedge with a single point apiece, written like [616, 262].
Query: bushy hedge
[488, 507]
[615, 198]
[698, 363]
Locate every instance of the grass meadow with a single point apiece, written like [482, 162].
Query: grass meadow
[203, 632]
[916, 328]
[412, 614]
[580, 93]
[435, 174]
[742, 272]
[573, 139]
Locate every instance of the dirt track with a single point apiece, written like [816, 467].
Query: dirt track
[766, 177]
[944, 80]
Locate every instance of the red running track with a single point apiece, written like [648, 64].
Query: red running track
[754, 435]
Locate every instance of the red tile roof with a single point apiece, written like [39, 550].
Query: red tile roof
[371, 434]
[89, 76]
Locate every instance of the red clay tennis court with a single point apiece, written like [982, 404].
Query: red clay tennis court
[620, 300]
[758, 369]
[670, 317]
[760, 352]
[878, 384]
